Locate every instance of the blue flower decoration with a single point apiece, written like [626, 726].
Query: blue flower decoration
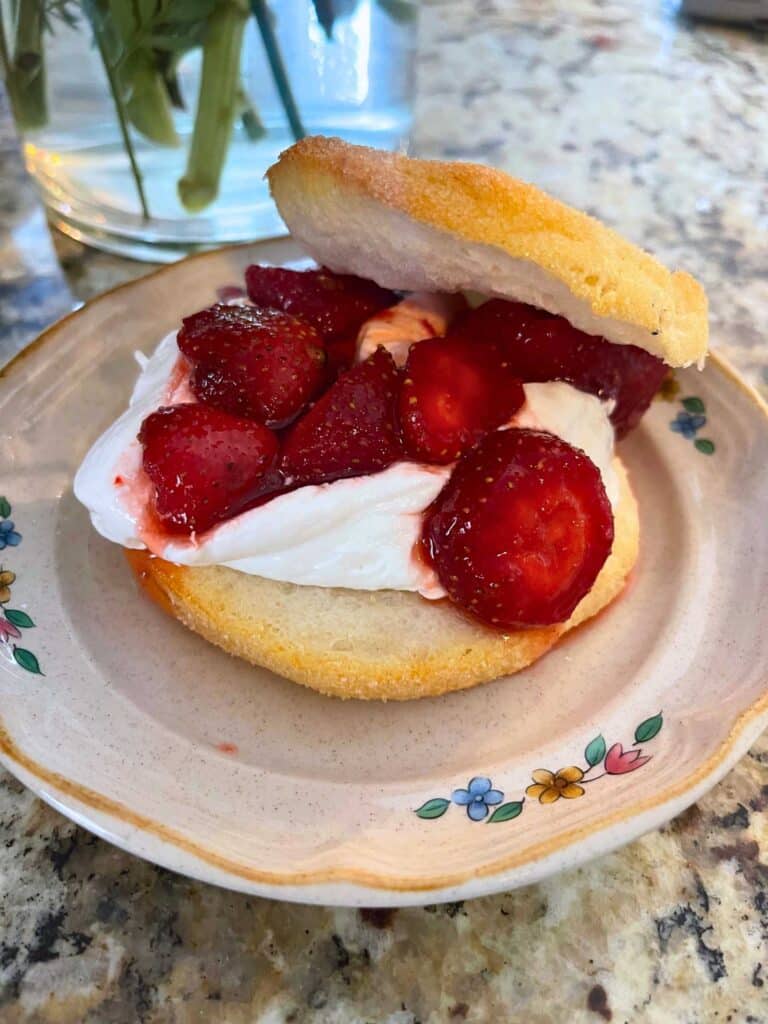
[9, 538]
[687, 423]
[477, 798]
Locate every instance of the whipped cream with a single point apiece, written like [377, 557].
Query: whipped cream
[360, 533]
[578, 418]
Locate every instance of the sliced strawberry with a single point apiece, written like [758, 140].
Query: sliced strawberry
[351, 430]
[541, 347]
[205, 464]
[521, 530]
[334, 303]
[498, 320]
[259, 363]
[455, 391]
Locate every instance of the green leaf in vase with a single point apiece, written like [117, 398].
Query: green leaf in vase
[110, 51]
[178, 25]
[137, 74]
[252, 124]
[167, 64]
[64, 11]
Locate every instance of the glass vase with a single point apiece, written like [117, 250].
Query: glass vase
[153, 153]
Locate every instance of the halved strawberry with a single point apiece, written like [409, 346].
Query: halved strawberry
[259, 363]
[455, 391]
[334, 303]
[542, 347]
[521, 530]
[351, 430]
[205, 464]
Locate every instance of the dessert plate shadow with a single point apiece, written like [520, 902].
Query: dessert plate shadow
[159, 742]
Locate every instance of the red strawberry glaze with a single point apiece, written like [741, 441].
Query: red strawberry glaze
[136, 490]
[137, 498]
[179, 390]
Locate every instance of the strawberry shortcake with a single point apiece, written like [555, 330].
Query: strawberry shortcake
[395, 473]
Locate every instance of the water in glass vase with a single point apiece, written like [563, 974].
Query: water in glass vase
[356, 84]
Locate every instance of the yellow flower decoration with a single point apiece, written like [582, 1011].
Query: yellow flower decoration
[670, 388]
[548, 786]
[6, 579]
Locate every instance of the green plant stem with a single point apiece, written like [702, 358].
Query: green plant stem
[5, 61]
[217, 105]
[147, 104]
[119, 109]
[249, 116]
[263, 19]
[25, 68]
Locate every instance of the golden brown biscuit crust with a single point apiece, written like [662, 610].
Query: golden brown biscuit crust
[378, 645]
[360, 210]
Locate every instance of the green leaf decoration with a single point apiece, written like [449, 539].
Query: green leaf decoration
[693, 404]
[434, 808]
[648, 729]
[595, 751]
[19, 618]
[27, 660]
[506, 812]
[5, 507]
[704, 445]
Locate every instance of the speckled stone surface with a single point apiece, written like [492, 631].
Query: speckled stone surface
[658, 126]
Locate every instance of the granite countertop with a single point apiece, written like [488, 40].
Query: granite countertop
[658, 126]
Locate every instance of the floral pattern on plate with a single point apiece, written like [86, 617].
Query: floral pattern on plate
[484, 803]
[690, 419]
[13, 620]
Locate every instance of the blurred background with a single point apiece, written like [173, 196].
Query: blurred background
[148, 125]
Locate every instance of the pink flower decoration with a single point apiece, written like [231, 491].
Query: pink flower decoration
[8, 631]
[618, 761]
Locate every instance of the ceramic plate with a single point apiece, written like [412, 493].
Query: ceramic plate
[147, 735]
